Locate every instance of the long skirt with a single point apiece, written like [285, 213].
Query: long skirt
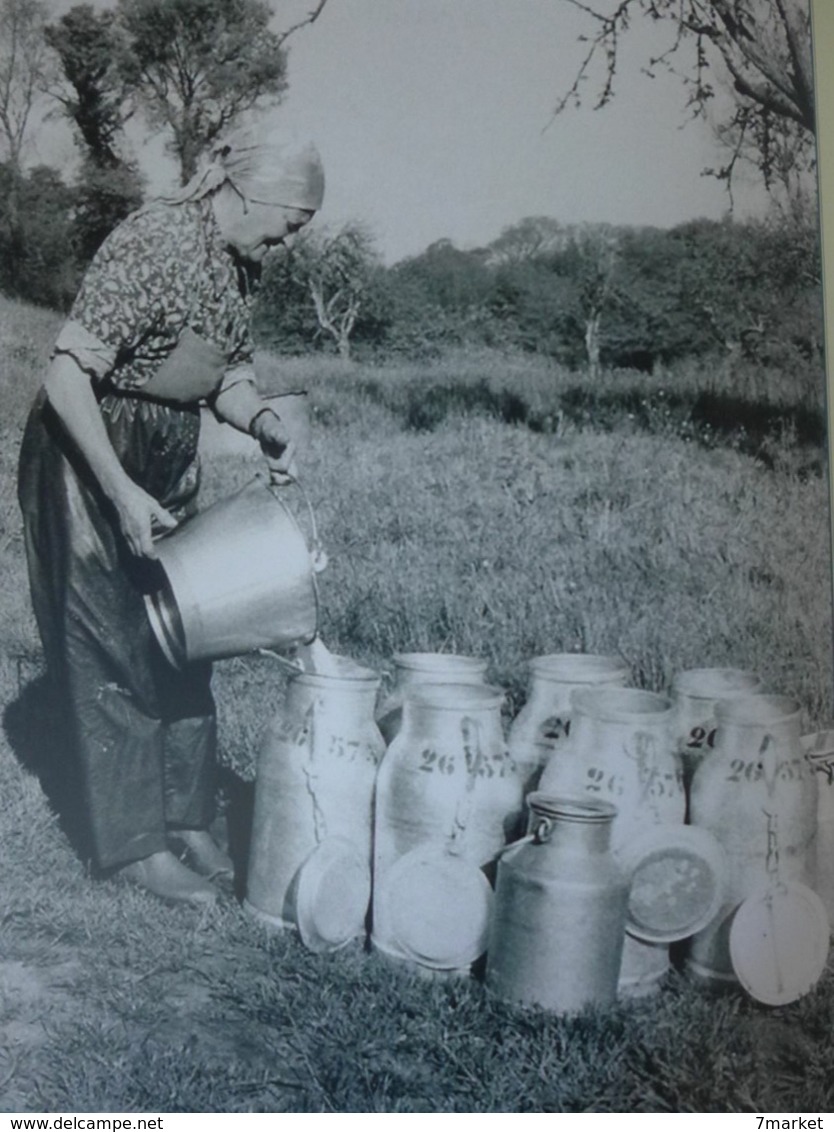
[140, 734]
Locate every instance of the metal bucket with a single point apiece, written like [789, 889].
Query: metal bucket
[237, 577]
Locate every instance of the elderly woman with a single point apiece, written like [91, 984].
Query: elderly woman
[160, 327]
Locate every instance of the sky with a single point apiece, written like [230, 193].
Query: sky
[434, 119]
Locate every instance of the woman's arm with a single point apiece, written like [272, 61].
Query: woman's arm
[240, 405]
[71, 396]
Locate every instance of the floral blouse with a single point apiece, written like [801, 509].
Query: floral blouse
[163, 269]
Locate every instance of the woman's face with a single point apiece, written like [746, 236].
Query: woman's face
[251, 228]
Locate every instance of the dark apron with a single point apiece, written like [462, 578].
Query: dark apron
[141, 735]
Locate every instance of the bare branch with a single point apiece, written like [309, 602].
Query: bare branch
[311, 18]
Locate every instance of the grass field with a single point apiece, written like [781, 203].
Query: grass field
[485, 505]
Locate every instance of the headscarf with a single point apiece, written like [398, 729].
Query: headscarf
[271, 167]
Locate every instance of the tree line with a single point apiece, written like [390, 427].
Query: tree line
[592, 295]
[189, 69]
[588, 295]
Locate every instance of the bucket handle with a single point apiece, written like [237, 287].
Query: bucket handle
[279, 480]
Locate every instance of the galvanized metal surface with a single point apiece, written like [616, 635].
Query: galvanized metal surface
[558, 923]
[237, 577]
[544, 721]
[757, 794]
[314, 786]
[621, 750]
[819, 750]
[412, 669]
[446, 785]
[695, 692]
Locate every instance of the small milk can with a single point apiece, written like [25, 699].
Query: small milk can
[558, 922]
[310, 852]
[545, 718]
[621, 750]
[756, 793]
[447, 799]
[414, 668]
[819, 751]
[695, 693]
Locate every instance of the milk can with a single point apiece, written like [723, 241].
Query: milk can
[310, 852]
[756, 793]
[621, 750]
[695, 693]
[819, 751]
[414, 668]
[447, 799]
[558, 922]
[544, 721]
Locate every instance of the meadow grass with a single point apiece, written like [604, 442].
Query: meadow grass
[485, 519]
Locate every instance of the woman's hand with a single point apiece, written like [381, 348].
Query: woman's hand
[71, 396]
[276, 443]
[138, 513]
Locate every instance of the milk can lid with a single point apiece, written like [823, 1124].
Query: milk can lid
[439, 907]
[779, 943]
[333, 893]
[677, 882]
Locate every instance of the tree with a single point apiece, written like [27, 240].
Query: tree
[197, 65]
[529, 238]
[336, 277]
[24, 64]
[88, 46]
[41, 224]
[762, 46]
[592, 255]
[93, 97]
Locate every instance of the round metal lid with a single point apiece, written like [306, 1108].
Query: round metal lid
[779, 943]
[439, 908]
[332, 895]
[677, 882]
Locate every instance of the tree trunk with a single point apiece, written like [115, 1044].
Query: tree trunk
[343, 343]
[592, 344]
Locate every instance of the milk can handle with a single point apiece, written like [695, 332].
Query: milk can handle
[542, 830]
[502, 852]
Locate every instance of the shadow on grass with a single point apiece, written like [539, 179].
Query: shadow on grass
[34, 733]
[710, 419]
[235, 822]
